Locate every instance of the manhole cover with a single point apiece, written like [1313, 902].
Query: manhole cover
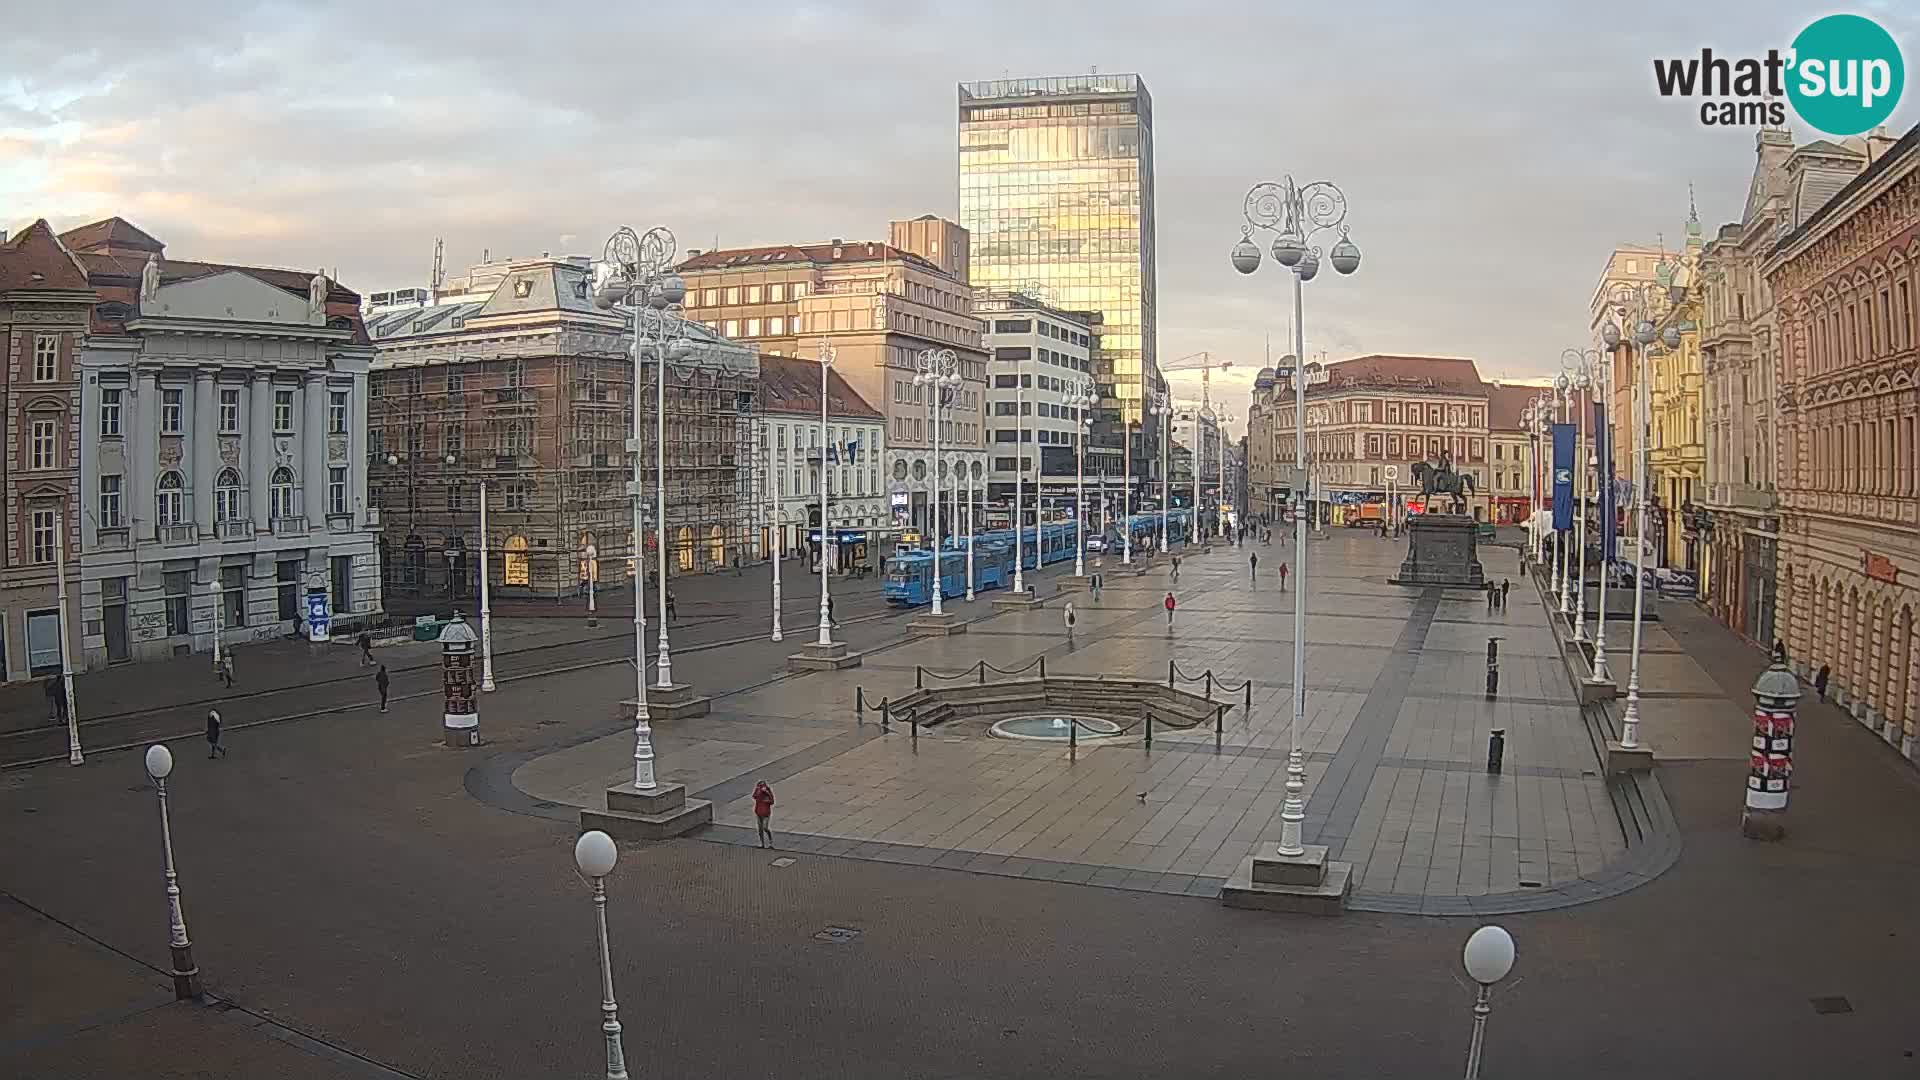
[839, 935]
[1827, 1006]
[783, 863]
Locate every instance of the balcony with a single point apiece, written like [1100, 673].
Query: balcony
[290, 526]
[235, 529]
[111, 538]
[340, 523]
[372, 516]
[177, 535]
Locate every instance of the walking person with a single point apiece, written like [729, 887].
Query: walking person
[763, 813]
[1176, 569]
[1169, 606]
[226, 668]
[383, 681]
[831, 621]
[214, 749]
[365, 641]
[1505, 585]
[1493, 594]
[57, 698]
[1070, 620]
[1820, 681]
[673, 607]
[1283, 577]
[1253, 568]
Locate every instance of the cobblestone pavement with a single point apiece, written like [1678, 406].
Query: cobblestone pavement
[365, 915]
[1396, 735]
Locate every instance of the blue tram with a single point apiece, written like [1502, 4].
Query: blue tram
[908, 581]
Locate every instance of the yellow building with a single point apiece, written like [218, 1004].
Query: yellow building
[1677, 461]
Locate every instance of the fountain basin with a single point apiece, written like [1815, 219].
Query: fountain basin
[1054, 727]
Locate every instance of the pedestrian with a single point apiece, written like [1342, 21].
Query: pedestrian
[673, 607]
[382, 680]
[763, 813]
[1505, 586]
[214, 749]
[1820, 681]
[835, 623]
[1176, 569]
[1169, 605]
[226, 668]
[1070, 620]
[57, 698]
[1492, 594]
[1253, 567]
[1097, 582]
[365, 641]
[1283, 577]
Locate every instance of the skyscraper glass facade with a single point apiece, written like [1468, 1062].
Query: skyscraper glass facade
[1056, 190]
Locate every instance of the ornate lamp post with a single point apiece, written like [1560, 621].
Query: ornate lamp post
[1126, 500]
[594, 853]
[186, 974]
[1162, 408]
[1081, 400]
[940, 374]
[1295, 215]
[960, 465]
[1488, 958]
[593, 572]
[74, 756]
[1020, 477]
[1221, 420]
[826, 357]
[637, 270]
[486, 608]
[779, 542]
[1582, 365]
[1631, 302]
[1563, 395]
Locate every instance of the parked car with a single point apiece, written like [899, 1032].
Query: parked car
[1096, 544]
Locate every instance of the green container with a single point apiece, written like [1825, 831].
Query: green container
[427, 628]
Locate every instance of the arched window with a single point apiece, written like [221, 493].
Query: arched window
[229, 499]
[170, 502]
[516, 561]
[286, 497]
[716, 547]
[684, 541]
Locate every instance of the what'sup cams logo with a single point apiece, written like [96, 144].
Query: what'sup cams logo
[1843, 75]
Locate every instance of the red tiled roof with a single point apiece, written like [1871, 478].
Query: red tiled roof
[1505, 403]
[1450, 373]
[114, 232]
[35, 259]
[791, 385]
[778, 256]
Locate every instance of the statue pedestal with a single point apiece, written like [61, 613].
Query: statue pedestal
[1442, 549]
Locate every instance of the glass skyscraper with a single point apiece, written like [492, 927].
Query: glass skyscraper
[1056, 190]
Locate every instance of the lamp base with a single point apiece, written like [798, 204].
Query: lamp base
[657, 814]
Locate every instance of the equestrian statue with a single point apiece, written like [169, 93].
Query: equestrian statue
[1440, 479]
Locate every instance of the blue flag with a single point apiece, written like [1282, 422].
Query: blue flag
[1562, 476]
[1603, 451]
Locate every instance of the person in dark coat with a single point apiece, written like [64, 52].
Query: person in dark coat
[382, 680]
[365, 641]
[1820, 681]
[214, 749]
[57, 698]
[1505, 586]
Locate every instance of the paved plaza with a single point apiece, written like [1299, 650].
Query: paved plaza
[1396, 732]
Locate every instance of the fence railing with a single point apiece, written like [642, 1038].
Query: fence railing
[1175, 676]
[978, 671]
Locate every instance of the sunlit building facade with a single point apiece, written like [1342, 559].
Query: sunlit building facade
[1056, 190]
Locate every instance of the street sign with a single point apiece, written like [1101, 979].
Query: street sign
[1393, 472]
[1284, 372]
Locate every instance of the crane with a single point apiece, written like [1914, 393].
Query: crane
[1205, 368]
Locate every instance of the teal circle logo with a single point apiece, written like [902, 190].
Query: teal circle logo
[1846, 74]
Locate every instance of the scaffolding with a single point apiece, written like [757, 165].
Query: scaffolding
[542, 418]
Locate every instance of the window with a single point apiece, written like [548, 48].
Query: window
[110, 507]
[44, 522]
[797, 290]
[283, 410]
[456, 384]
[342, 591]
[516, 497]
[283, 495]
[229, 499]
[170, 408]
[286, 575]
[456, 497]
[732, 328]
[43, 445]
[776, 326]
[110, 413]
[46, 357]
[175, 584]
[753, 294]
[453, 437]
[170, 501]
[776, 293]
[229, 411]
[233, 595]
[710, 297]
[733, 295]
[753, 327]
[337, 412]
[337, 490]
[514, 563]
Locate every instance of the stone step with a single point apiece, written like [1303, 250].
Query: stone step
[1329, 897]
[660, 814]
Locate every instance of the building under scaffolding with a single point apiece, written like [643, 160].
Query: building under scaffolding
[513, 379]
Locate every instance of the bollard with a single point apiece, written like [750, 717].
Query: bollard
[1169, 674]
[1209, 684]
[886, 717]
[1073, 733]
[1496, 749]
[1043, 669]
[913, 720]
[917, 670]
[1493, 667]
[1248, 703]
[1219, 722]
[1149, 719]
[859, 705]
[983, 673]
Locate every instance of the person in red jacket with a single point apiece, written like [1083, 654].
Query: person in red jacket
[763, 812]
[1283, 577]
[1169, 605]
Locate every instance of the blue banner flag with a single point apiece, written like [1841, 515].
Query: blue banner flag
[1603, 452]
[1562, 476]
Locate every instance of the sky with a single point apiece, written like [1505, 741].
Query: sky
[1491, 155]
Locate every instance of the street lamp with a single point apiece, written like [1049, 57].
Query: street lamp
[940, 374]
[1081, 400]
[593, 571]
[1295, 215]
[218, 607]
[1583, 364]
[595, 854]
[66, 651]
[637, 270]
[1633, 302]
[1162, 408]
[960, 466]
[779, 540]
[826, 357]
[1126, 498]
[1488, 958]
[1221, 420]
[1020, 475]
[486, 608]
[186, 976]
[1563, 392]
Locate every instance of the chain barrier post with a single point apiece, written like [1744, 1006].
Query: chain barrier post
[859, 705]
[1169, 674]
[1209, 684]
[917, 670]
[983, 673]
[1149, 719]
[1043, 669]
[886, 716]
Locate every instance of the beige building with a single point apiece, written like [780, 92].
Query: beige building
[880, 306]
[1515, 488]
[1846, 281]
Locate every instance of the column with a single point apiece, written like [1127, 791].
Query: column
[205, 434]
[357, 451]
[260, 448]
[144, 452]
[313, 444]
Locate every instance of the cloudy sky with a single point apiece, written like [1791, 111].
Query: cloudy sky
[1491, 156]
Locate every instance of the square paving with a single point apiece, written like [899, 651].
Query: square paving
[1395, 732]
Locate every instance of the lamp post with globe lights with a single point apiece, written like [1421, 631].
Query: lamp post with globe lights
[1488, 957]
[966, 474]
[1583, 367]
[826, 357]
[1295, 215]
[595, 854]
[1634, 303]
[1081, 400]
[186, 974]
[1126, 499]
[1221, 419]
[1563, 396]
[1162, 410]
[940, 374]
[637, 270]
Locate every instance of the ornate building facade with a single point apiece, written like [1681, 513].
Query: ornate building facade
[1677, 459]
[1846, 282]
